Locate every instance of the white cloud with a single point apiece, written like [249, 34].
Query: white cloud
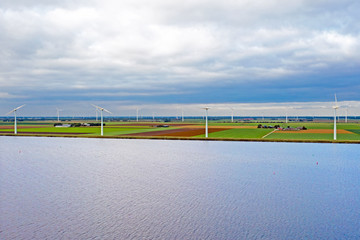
[141, 44]
[5, 95]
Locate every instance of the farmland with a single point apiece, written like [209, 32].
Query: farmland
[315, 131]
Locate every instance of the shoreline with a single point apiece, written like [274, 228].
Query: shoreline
[190, 138]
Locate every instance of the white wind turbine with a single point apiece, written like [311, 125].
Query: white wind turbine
[287, 110]
[137, 114]
[96, 112]
[232, 114]
[58, 114]
[335, 107]
[14, 111]
[346, 116]
[101, 112]
[206, 122]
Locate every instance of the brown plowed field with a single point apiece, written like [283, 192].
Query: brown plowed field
[221, 127]
[318, 131]
[152, 124]
[180, 132]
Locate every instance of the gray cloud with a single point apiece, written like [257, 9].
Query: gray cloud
[154, 49]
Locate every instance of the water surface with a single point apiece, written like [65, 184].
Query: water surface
[64, 188]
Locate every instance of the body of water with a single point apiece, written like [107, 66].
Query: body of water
[73, 188]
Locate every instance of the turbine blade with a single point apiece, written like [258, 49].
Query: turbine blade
[19, 107]
[335, 100]
[10, 112]
[15, 109]
[101, 109]
[107, 111]
[97, 107]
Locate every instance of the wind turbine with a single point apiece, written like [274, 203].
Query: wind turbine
[58, 114]
[335, 107]
[346, 115]
[206, 122]
[14, 111]
[182, 114]
[96, 112]
[101, 112]
[137, 114]
[232, 114]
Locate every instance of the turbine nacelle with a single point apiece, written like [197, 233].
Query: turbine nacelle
[101, 109]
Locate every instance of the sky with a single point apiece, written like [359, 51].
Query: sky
[258, 57]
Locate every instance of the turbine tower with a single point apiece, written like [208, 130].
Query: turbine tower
[206, 122]
[182, 114]
[14, 111]
[137, 114]
[346, 116]
[232, 114]
[335, 107]
[102, 121]
[96, 112]
[58, 114]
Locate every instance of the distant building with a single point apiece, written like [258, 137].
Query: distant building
[63, 125]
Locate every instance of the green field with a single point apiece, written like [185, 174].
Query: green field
[312, 136]
[357, 131]
[87, 131]
[228, 130]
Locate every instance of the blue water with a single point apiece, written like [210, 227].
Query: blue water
[64, 188]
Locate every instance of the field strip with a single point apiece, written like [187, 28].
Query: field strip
[268, 133]
[221, 127]
[342, 131]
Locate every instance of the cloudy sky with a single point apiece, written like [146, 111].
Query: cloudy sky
[165, 55]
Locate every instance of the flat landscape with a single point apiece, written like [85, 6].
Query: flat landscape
[315, 131]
